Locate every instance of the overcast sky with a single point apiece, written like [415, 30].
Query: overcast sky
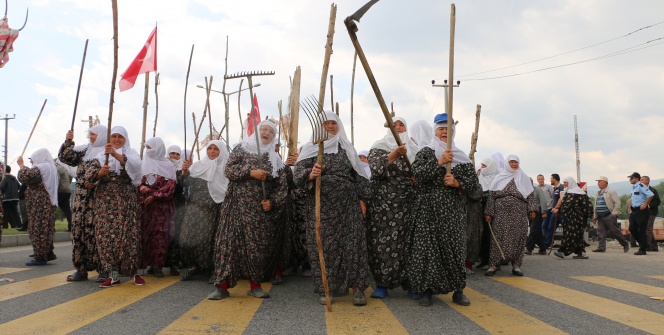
[618, 100]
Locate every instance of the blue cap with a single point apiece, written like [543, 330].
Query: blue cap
[441, 118]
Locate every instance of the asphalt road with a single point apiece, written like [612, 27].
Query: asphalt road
[606, 294]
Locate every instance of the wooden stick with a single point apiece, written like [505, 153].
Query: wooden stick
[200, 125]
[496, 240]
[336, 108]
[279, 129]
[226, 98]
[156, 102]
[208, 88]
[80, 78]
[186, 83]
[473, 138]
[239, 111]
[145, 110]
[195, 145]
[352, 91]
[33, 128]
[294, 112]
[332, 92]
[115, 72]
[450, 87]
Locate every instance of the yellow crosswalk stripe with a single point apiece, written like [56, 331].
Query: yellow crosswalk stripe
[374, 318]
[631, 316]
[657, 277]
[228, 316]
[498, 318]
[33, 285]
[624, 285]
[74, 314]
[11, 270]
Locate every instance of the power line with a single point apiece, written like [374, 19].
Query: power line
[564, 53]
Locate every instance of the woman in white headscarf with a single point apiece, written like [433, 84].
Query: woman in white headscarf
[488, 171]
[344, 188]
[439, 219]
[116, 208]
[511, 203]
[206, 183]
[364, 161]
[421, 133]
[258, 188]
[174, 154]
[157, 206]
[84, 252]
[576, 211]
[392, 185]
[41, 198]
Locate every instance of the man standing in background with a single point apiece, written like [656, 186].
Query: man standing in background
[653, 206]
[605, 215]
[638, 220]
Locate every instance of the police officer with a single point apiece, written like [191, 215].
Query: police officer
[638, 219]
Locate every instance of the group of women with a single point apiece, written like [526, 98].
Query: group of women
[397, 215]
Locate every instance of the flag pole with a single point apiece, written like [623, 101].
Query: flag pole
[156, 102]
[115, 71]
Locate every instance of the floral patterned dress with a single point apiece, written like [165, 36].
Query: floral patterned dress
[157, 221]
[199, 225]
[116, 219]
[180, 200]
[509, 211]
[343, 231]
[84, 252]
[475, 225]
[389, 231]
[282, 254]
[576, 209]
[436, 263]
[245, 238]
[41, 213]
[298, 225]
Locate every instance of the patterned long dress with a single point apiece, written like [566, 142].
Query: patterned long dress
[389, 231]
[157, 221]
[438, 255]
[343, 232]
[576, 209]
[244, 240]
[199, 225]
[298, 225]
[84, 252]
[116, 219]
[282, 253]
[509, 211]
[180, 200]
[41, 213]
[475, 225]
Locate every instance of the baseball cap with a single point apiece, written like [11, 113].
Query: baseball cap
[603, 178]
[441, 118]
[635, 175]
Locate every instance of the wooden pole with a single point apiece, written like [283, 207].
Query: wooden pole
[33, 128]
[450, 87]
[200, 125]
[195, 145]
[332, 92]
[145, 110]
[115, 72]
[208, 88]
[156, 103]
[279, 129]
[226, 98]
[294, 112]
[80, 78]
[239, 110]
[473, 138]
[186, 83]
[336, 107]
[352, 91]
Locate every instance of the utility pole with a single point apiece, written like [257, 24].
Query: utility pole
[7, 118]
[433, 83]
[578, 157]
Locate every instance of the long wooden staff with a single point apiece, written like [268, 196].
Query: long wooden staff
[208, 88]
[450, 87]
[156, 103]
[321, 149]
[352, 90]
[474, 137]
[145, 110]
[115, 72]
[200, 125]
[294, 112]
[78, 90]
[33, 128]
[186, 84]
[198, 153]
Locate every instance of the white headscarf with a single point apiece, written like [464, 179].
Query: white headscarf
[521, 179]
[459, 157]
[42, 160]
[93, 149]
[212, 171]
[177, 163]
[331, 146]
[488, 173]
[155, 162]
[133, 164]
[249, 145]
[421, 133]
[388, 143]
[364, 165]
[572, 187]
[500, 161]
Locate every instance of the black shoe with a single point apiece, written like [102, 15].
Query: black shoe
[586, 243]
[426, 300]
[626, 248]
[640, 252]
[600, 250]
[460, 299]
[517, 272]
[580, 257]
[51, 257]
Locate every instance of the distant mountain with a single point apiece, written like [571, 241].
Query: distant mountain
[623, 187]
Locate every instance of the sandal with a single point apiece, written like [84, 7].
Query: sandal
[76, 276]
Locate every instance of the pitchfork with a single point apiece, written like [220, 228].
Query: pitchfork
[311, 106]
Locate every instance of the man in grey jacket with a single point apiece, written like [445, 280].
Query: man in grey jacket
[605, 215]
[9, 187]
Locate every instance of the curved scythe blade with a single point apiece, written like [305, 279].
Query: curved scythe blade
[360, 12]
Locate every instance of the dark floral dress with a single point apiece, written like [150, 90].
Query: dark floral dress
[199, 225]
[41, 213]
[282, 254]
[343, 231]
[84, 252]
[116, 219]
[298, 225]
[389, 231]
[439, 221]
[245, 238]
[576, 209]
[509, 211]
[157, 221]
[180, 200]
[475, 225]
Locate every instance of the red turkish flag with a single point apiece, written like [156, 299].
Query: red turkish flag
[254, 117]
[145, 61]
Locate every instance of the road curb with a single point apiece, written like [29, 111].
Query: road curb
[23, 239]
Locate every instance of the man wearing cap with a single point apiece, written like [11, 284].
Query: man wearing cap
[653, 208]
[607, 209]
[638, 219]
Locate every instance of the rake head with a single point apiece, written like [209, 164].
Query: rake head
[310, 106]
[249, 74]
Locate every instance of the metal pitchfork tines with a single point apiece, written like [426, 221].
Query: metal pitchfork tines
[310, 107]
